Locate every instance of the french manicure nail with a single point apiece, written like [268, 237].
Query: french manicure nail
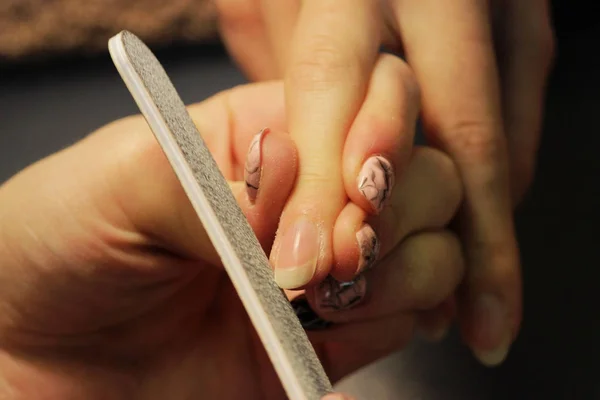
[375, 181]
[368, 247]
[491, 315]
[253, 167]
[297, 255]
[307, 316]
[333, 295]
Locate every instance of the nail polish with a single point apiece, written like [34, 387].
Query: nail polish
[307, 316]
[253, 167]
[297, 255]
[375, 181]
[333, 295]
[368, 247]
[491, 316]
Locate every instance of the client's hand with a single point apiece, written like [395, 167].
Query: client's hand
[110, 289]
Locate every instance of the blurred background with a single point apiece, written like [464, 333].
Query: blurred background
[57, 84]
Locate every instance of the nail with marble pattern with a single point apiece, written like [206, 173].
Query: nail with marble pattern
[253, 167]
[375, 181]
[307, 316]
[333, 295]
[368, 247]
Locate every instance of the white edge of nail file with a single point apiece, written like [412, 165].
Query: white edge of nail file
[284, 339]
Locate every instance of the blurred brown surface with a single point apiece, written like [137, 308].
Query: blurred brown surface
[47, 27]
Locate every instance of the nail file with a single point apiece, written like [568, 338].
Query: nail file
[284, 339]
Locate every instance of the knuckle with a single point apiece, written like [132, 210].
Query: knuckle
[322, 64]
[475, 141]
[313, 181]
[318, 179]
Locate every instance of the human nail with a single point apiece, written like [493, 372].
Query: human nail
[308, 318]
[375, 181]
[333, 295]
[297, 255]
[491, 316]
[253, 167]
[368, 247]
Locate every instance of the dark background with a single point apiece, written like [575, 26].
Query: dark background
[47, 106]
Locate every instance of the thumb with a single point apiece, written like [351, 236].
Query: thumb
[162, 210]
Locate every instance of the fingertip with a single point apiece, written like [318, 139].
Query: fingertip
[486, 329]
[270, 174]
[380, 140]
[433, 325]
[355, 244]
[491, 301]
[271, 165]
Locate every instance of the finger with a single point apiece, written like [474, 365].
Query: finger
[352, 346]
[243, 30]
[338, 396]
[386, 334]
[426, 198]
[229, 120]
[162, 210]
[331, 59]
[379, 143]
[280, 19]
[528, 48]
[462, 114]
[418, 275]
[433, 325]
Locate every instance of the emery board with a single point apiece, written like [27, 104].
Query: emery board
[247, 265]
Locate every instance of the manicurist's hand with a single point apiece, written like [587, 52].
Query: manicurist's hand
[481, 67]
[109, 287]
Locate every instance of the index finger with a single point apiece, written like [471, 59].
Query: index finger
[331, 58]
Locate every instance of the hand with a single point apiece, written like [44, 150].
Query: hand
[481, 67]
[109, 287]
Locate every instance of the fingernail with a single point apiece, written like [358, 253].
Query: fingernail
[298, 255]
[332, 295]
[490, 314]
[368, 247]
[253, 167]
[308, 318]
[375, 181]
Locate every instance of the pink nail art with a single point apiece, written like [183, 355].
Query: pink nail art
[375, 181]
[333, 295]
[253, 167]
[368, 246]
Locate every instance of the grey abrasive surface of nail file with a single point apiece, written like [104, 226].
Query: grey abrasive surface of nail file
[284, 339]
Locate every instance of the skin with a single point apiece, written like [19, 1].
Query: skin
[110, 289]
[481, 68]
